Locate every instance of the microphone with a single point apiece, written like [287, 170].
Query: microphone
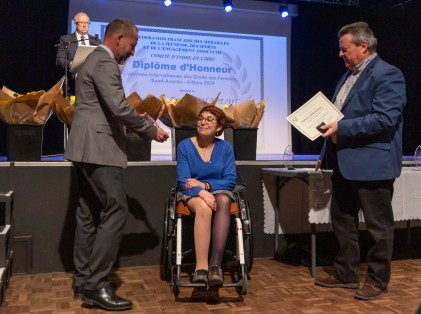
[66, 43]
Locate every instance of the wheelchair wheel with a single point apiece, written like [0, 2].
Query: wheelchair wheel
[248, 244]
[167, 244]
[248, 234]
[248, 252]
[243, 289]
[174, 287]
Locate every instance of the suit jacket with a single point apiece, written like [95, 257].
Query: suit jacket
[369, 137]
[71, 48]
[101, 114]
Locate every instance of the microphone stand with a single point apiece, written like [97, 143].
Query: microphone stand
[65, 46]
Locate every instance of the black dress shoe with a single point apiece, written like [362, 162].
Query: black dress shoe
[77, 292]
[105, 298]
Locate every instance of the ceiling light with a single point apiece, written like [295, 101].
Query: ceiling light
[228, 5]
[283, 10]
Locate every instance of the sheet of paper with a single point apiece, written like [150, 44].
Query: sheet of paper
[315, 112]
[82, 52]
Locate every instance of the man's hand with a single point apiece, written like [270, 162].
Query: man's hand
[331, 129]
[161, 136]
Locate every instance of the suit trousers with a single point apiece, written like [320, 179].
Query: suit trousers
[374, 198]
[100, 220]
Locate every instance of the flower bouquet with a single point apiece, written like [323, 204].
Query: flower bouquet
[31, 108]
[25, 116]
[151, 105]
[243, 121]
[181, 117]
[245, 115]
[64, 108]
[182, 113]
[137, 148]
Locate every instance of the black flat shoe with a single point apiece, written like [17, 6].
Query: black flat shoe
[105, 298]
[200, 276]
[215, 276]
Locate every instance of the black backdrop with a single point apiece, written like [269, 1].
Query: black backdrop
[29, 30]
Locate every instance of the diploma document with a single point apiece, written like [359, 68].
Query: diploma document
[82, 52]
[314, 113]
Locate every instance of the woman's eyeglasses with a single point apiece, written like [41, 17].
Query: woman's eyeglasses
[208, 120]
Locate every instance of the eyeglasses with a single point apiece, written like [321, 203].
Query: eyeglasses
[83, 23]
[208, 120]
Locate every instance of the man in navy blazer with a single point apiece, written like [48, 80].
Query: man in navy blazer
[364, 150]
[72, 41]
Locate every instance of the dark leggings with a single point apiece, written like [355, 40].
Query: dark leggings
[220, 228]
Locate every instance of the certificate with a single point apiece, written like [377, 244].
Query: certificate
[82, 52]
[314, 113]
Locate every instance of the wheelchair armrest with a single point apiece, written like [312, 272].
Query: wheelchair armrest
[238, 188]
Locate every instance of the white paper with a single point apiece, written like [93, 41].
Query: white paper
[82, 52]
[314, 112]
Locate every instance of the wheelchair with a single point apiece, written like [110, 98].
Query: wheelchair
[177, 263]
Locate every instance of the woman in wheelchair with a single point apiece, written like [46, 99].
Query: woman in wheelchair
[206, 176]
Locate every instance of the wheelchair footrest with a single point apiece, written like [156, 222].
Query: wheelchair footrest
[181, 283]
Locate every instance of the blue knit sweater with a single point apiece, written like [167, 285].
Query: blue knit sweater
[219, 172]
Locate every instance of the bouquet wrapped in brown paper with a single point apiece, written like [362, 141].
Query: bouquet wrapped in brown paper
[31, 108]
[245, 115]
[64, 108]
[183, 112]
[150, 105]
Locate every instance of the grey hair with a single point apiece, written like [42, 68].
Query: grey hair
[361, 32]
[79, 13]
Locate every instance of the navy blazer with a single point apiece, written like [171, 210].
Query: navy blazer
[369, 137]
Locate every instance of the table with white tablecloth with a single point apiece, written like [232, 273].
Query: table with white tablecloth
[302, 196]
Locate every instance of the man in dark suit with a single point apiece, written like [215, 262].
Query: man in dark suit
[71, 42]
[97, 148]
[364, 150]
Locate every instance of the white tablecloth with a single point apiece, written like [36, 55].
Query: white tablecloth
[303, 203]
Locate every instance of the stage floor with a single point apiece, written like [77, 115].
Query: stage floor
[273, 287]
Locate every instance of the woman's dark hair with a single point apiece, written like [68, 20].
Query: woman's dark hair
[221, 119]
